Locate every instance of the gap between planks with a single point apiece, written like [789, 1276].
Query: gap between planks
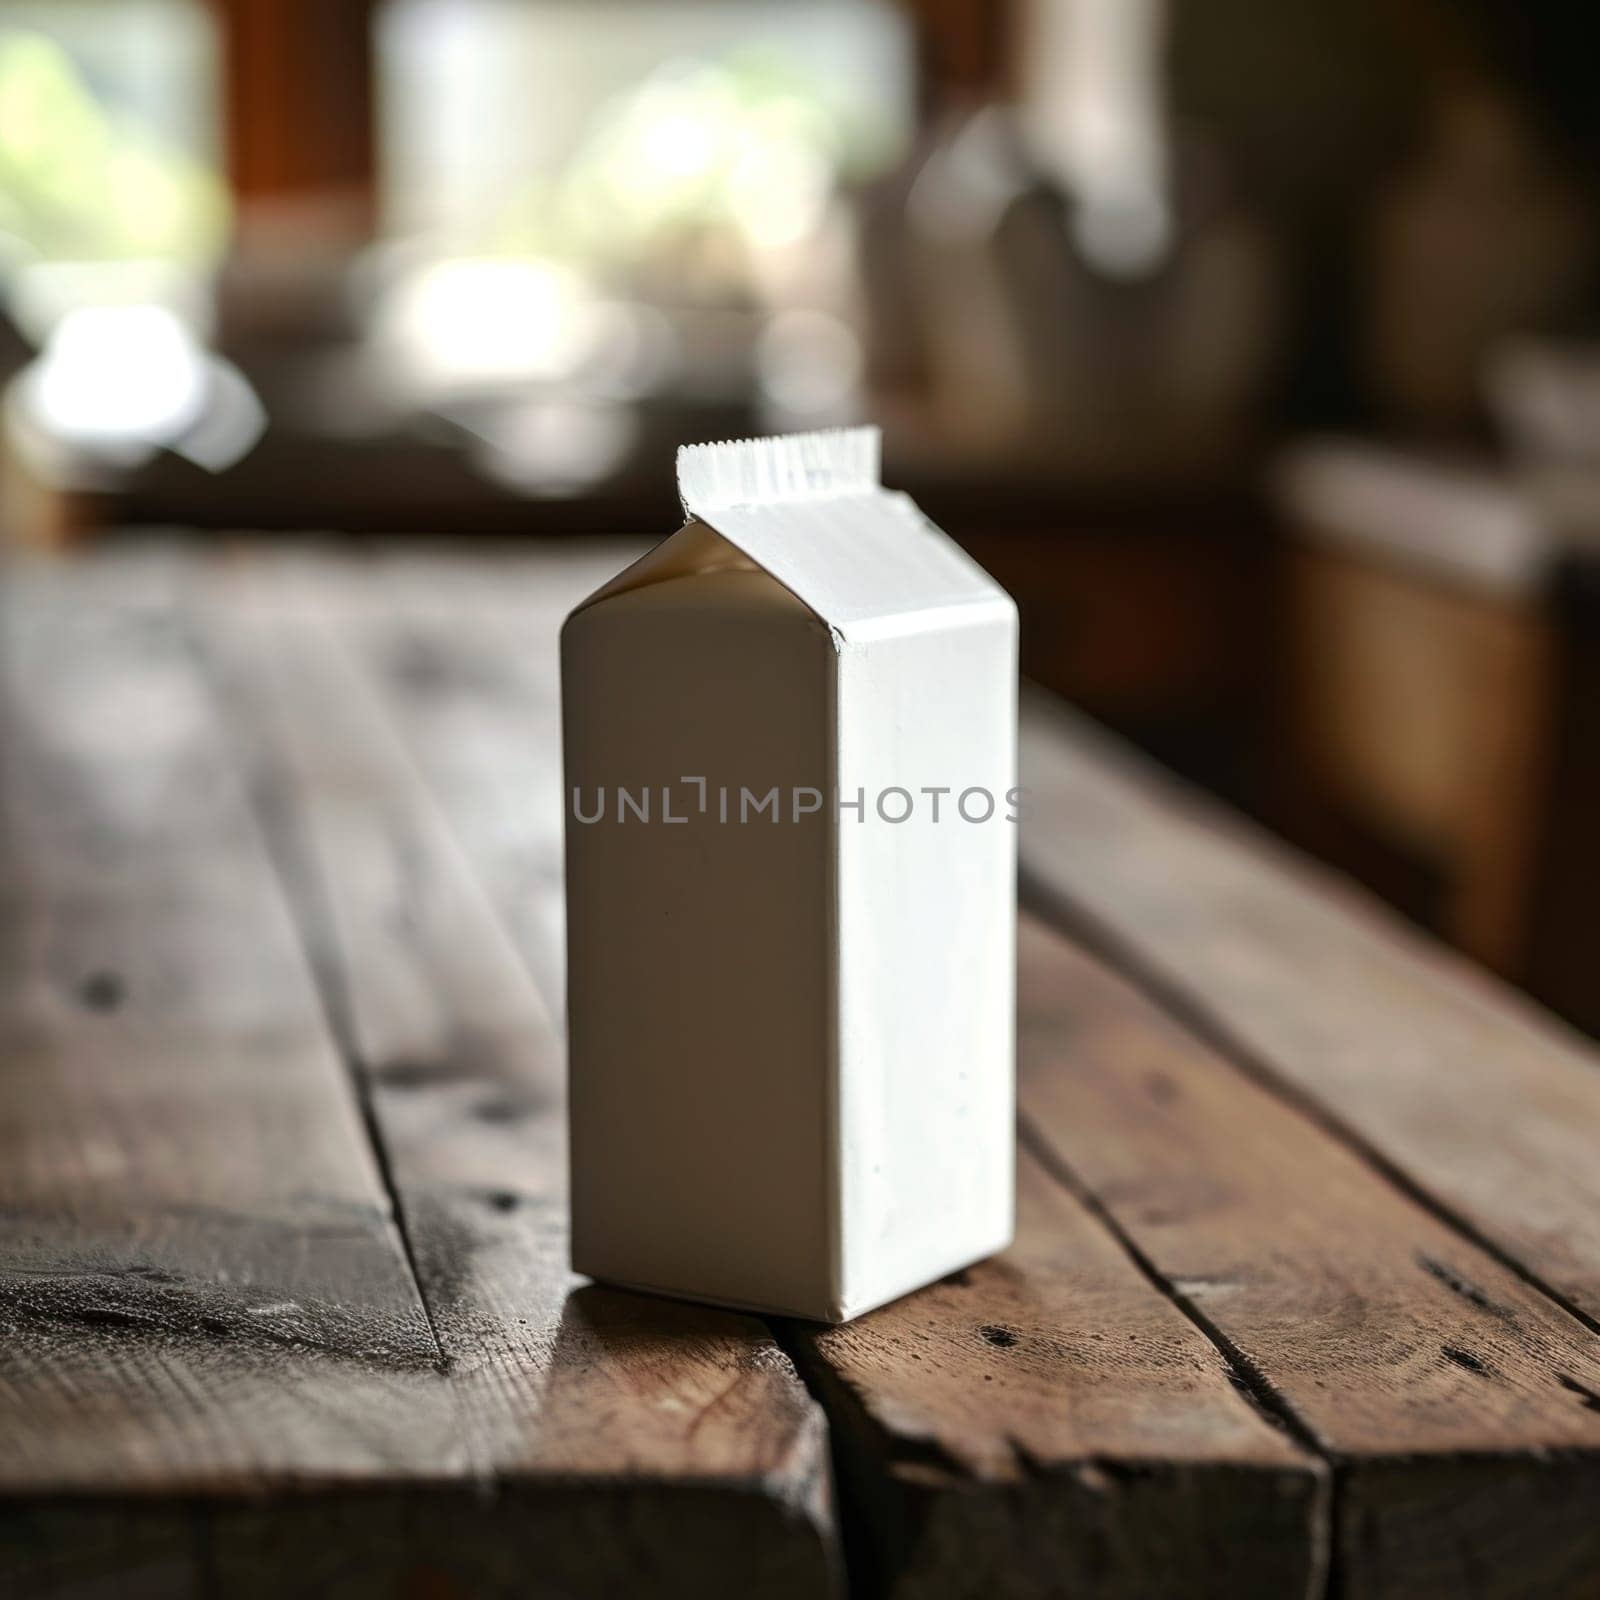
[1057, 907]
[305, 894]
[205, 1296]
[1251, 1380]
[1429, 1376]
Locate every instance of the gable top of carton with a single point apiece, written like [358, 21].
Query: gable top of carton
[811, 510]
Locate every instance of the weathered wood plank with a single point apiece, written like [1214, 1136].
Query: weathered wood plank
[641, 1443]
[466, 656]
[202, 1292]
[1460, 1088]
[1457, 1402]
[1049, 1423]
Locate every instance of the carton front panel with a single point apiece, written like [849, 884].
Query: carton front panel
[699, 941]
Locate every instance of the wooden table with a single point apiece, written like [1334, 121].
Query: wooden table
[1305, 1295]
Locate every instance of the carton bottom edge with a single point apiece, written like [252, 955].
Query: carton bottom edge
[837, 1311]
[760, 1308]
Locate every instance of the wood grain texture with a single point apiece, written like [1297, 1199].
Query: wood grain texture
[202, 1292]
[640, 1443]
[1461, 1089]
[466, 656]
[1049, 1423]
[460, 647]
[1425, 1371]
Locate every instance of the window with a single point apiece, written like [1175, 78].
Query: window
[591, 131]
[109, 144]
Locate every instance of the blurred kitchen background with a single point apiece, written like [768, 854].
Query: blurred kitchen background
[1255, 348]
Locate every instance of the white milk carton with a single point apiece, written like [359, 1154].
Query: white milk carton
[791, 747]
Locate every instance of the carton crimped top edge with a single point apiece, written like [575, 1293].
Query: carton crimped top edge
[797, 466]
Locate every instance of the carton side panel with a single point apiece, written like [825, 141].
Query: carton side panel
[927, 918]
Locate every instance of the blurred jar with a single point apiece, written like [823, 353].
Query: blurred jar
[1481, 236]
[1087, 291]
[1101, 334]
